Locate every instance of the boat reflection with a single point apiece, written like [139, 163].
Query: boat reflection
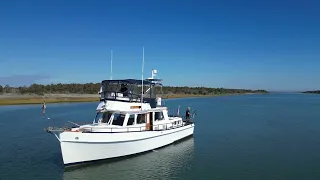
[163, 163]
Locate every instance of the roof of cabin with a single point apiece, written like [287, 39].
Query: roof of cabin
[158, 109]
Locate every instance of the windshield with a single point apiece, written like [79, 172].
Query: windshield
[106, 117]
[103, 117]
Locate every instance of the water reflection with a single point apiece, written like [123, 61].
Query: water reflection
[164, 163]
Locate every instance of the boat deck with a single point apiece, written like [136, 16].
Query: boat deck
[96, 128]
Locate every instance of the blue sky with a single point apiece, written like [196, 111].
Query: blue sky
[273, 45]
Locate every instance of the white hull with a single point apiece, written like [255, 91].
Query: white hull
[80, 147]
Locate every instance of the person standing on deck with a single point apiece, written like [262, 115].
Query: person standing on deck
[124, 89]
[44, 108]
[188, 114]
[101, 105]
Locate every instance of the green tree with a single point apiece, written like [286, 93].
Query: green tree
[7, 89]
[1, 89]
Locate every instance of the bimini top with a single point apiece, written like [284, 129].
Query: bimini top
[133, 81]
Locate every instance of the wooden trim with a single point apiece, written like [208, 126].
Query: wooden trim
[135, 107]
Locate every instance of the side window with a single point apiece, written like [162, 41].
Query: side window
[141, 119]
[159, 116]
[130, 120]
[118, 119]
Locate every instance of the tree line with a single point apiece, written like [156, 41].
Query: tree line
[93, 88]
[312, 92]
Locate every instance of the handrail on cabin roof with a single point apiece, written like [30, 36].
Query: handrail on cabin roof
[133, 81]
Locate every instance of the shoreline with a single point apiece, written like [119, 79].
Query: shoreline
[27, 99]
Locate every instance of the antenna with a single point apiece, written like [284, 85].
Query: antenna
[142, 77]
[111, 65]
[152, 74]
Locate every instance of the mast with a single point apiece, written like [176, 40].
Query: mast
[111, 66]
[142, 77]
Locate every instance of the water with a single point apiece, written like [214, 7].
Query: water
[261, 137]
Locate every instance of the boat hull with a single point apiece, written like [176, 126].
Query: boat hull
[112, 145]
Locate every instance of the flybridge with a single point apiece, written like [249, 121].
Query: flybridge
[130, 90]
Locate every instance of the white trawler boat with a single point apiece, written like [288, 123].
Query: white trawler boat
[131, 121]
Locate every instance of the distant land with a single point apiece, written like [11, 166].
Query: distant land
[56, 93]
[312, 92]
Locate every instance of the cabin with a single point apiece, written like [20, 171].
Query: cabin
[132, 105]
[155, 119]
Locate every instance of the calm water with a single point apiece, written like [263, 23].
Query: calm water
[259, 137]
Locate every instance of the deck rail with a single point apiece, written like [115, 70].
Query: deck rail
[157, 127]
[175, 112]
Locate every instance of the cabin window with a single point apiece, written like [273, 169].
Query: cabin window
[118, 119]
[159, 116]
[130, 120]
[106, 117]
[141, 119]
